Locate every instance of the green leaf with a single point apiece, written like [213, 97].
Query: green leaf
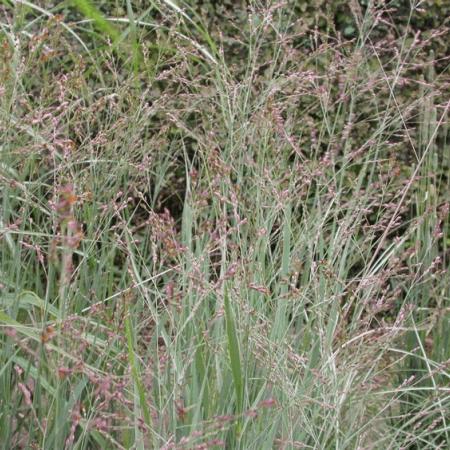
[234, 354]
[91, 12]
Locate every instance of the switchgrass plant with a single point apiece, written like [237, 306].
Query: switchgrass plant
[231, 235]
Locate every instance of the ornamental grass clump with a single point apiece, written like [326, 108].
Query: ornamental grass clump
[224, 225]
